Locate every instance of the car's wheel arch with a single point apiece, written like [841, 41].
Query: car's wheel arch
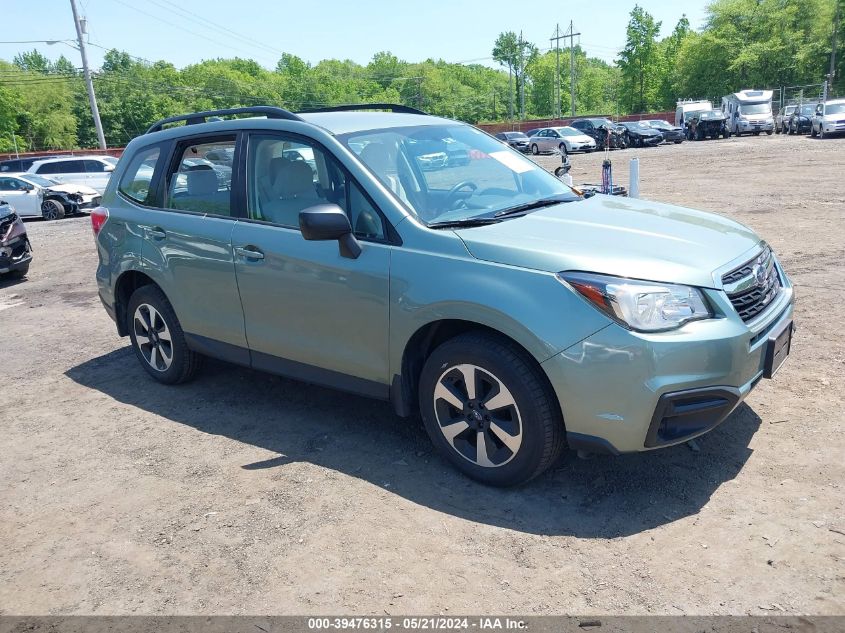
[127, 283]
[404, 386]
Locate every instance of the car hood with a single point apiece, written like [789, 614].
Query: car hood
[580, 138]
[616, 236]
[644, 132]
[71, 188]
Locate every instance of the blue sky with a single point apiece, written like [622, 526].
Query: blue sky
[187, 31]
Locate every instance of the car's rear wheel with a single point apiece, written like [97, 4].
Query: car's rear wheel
[534, 149]
[52, 210]
[488, 409]
[157, 337]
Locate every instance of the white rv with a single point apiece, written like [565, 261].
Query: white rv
[749, 111]
[689, 105]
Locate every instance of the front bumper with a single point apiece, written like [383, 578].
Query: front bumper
[583, 147]
[617, 387]
[833, 127]
[19, 256]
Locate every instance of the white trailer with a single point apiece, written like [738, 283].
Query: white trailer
[686, 106]
[749, 112]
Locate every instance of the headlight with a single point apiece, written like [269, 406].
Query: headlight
[644, 306]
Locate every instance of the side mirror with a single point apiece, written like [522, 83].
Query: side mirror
[329, 222]
[27, 187]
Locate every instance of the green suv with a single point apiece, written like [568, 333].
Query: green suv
[346, 247]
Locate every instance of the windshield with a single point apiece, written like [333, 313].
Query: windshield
[569, 131]
[660, 125]
[418, 166]
[713, 114]
[110, 159]
[808, 110]
[40, 180]
[834, 108]
[756, 108]
[515, 135]
[605, 122]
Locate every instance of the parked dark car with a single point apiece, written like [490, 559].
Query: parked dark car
[517, 140]
[15, 251]
[801, 119]
[669, 132]
[605, 132]
[641, 134]
[707, 124]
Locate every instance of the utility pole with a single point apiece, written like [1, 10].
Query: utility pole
[521, 78]
[833, 45]
[572, 66]
[571, 35]
[556, 39]
[95, 112]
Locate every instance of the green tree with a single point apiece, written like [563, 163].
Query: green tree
[639, 61]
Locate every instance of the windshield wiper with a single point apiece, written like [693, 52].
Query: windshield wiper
[445, 224]
[534, 204]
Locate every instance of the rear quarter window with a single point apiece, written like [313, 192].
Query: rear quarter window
[136, 180]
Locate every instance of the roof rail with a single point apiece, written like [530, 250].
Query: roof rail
[351, 107]
[271, 112]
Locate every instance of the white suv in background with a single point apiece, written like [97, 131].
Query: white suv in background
[829, 118]
[92, 171]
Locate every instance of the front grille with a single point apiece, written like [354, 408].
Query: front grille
[752, 286]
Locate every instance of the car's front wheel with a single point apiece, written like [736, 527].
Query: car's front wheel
[52, 210]
[488, 409]
[562, 148]
[534, 149]
[157, 337]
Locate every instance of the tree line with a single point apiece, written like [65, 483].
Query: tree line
[743, 44]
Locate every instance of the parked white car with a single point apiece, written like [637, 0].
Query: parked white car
[561, 139]
[92, 171]
[36, 196]
[829, 118]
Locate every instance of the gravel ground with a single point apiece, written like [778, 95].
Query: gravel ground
[248, 493]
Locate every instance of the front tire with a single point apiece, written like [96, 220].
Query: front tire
[157, 337]
[489, 411]
[52, 210]
[562, 148]
[534, 149]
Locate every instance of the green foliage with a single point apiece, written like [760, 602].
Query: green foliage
[641, 62]
[744, 44]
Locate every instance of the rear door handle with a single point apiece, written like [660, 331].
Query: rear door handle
[249, 252]
[155, 232]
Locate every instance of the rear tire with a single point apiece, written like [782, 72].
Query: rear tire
[52, 210]
[502, 429]
[157, 337]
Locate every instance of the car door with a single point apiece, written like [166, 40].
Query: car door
[97, 174]
[21, 195]
[186, 245]
[309, 311]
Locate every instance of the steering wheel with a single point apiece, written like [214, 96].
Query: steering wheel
[453, 192]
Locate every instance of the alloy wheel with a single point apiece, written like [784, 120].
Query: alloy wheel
[478, 415]
[152, 336]
[49, 210]
[535, 150]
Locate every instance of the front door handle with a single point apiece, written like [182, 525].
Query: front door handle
[155, 232]
[249, 252]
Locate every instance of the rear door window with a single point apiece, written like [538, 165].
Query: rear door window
[196, 183]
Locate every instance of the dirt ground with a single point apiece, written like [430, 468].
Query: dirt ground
[247, 493]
